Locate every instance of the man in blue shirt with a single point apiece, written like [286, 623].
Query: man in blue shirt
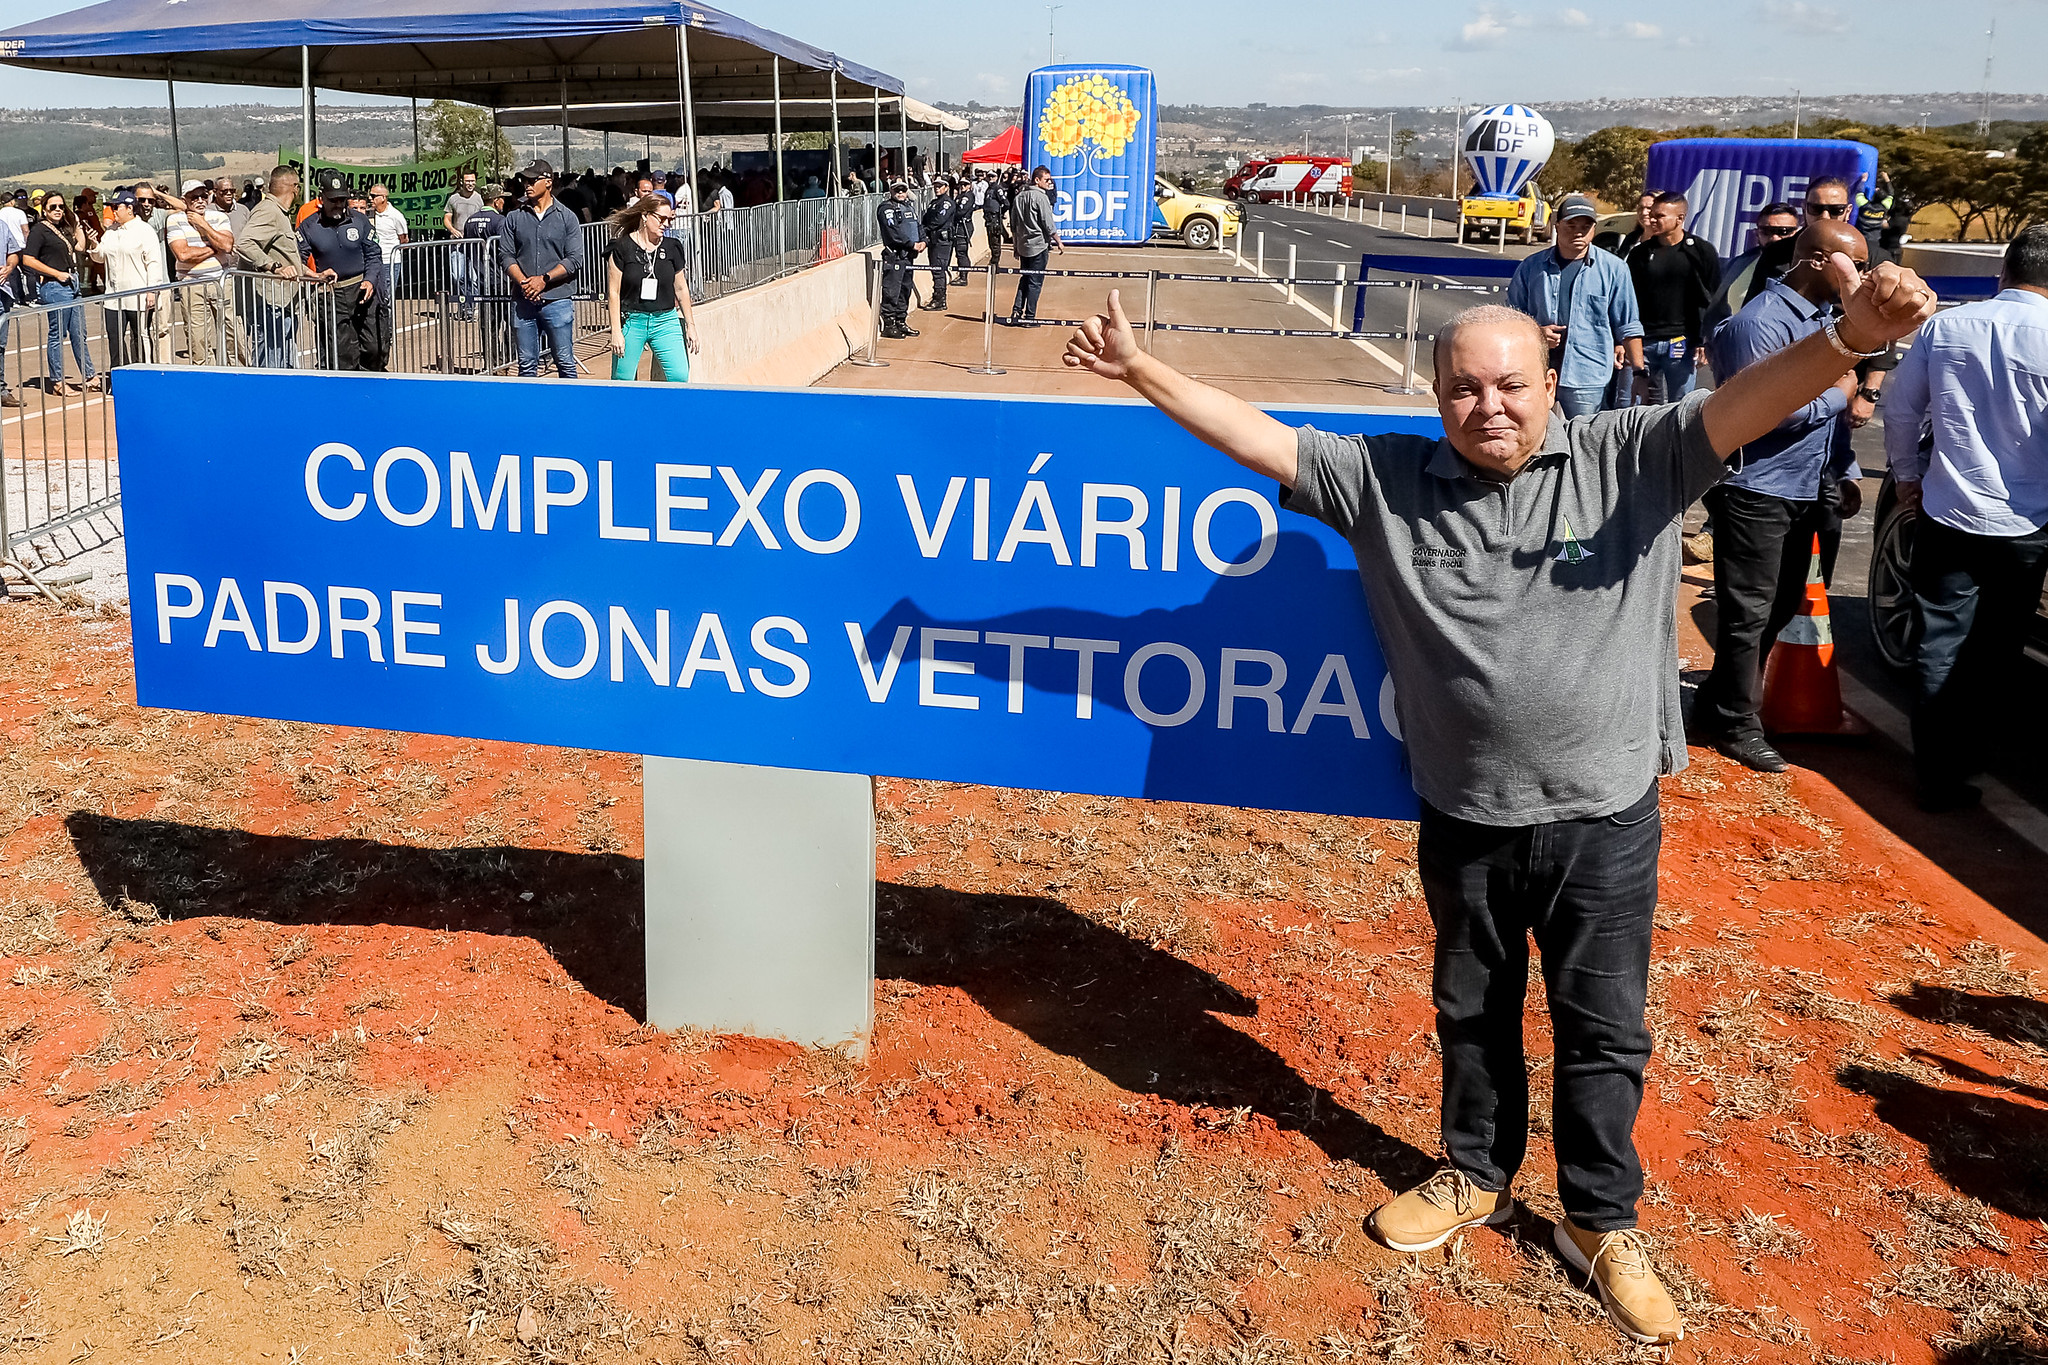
[542, 249]
[1979, 375]
[1585, 301]
[1768, 510]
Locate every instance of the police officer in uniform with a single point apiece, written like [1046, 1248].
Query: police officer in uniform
[963, 228]
[939, 217]
[995, 212]
[902, 239]
[343, 249]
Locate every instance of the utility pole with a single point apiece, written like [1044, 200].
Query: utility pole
[1390, 154]
[1984, 101]
[1923, 119]
[1795, 113]
[1052, 52]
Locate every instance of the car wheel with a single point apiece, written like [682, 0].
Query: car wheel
[1198, 233]
[1895, 624]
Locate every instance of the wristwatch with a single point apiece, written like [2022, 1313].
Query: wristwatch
[1866, 393]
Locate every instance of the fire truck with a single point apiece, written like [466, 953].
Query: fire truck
[1263, 180]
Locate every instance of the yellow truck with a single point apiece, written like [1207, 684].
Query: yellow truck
[1200, 220]
[1486, 217]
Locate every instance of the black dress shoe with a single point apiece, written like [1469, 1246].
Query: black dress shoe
[1939, 800]
[1753, 752]
[893, 334]
[907, 331]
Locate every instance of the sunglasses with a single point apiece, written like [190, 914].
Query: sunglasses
[664, 217]
[1774, 233]
[1829, 210]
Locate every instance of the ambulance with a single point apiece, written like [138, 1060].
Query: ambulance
[1263, 181]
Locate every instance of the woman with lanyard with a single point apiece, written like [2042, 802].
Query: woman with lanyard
[55, 246]
[648, 292]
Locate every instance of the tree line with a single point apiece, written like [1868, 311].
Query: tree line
[1948, 166]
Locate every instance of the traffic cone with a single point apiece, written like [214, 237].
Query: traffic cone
[1802, 694]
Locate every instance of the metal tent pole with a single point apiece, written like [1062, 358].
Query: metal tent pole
[563, 169]
[497, 136]
[880, 183]
[775, 74]
[689, 110]
[306, 119]
[416, 128]
[838, 168]
[903, 139]
[177, 158]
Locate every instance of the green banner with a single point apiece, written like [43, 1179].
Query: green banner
[419, 189]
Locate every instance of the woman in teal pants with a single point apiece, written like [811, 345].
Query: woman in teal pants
[649, 293]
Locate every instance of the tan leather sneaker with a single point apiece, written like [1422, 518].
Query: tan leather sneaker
[1618, 1263]
[1434, 1211]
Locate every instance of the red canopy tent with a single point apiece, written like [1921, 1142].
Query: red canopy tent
[1004, 149]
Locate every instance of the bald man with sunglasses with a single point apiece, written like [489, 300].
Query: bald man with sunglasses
[1782, 490]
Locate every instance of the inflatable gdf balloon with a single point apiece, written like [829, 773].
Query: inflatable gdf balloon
[1506, 146]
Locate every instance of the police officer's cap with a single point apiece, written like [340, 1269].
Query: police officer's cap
[896, 186]
[333, 184]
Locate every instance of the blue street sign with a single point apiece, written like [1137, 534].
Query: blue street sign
[1073, 595]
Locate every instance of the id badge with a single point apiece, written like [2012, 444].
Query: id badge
[1678, 348]
[649, 286]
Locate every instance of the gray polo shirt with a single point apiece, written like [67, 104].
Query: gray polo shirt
[1529, 625]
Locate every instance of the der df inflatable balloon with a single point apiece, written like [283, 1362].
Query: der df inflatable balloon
[1506, 146]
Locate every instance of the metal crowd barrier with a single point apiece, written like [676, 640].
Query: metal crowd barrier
[1151, 326]
[60, 482]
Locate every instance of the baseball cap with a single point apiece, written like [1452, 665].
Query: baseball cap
[1576, 206]
[192, 187]
[34, 195]
[494, 191]
[538, 170]
[331, 183]
[120, 197]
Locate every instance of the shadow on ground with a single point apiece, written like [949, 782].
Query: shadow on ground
[583, 908]
[1140, 1017]
[1971, 846]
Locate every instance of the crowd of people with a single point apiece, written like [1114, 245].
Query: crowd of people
[1013, 208]
[233, 264]
[1629, 320]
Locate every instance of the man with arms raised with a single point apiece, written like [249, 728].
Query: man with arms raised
[1522, 572]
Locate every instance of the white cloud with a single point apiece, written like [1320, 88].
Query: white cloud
[1641, 32]
[1801, 17]
[1574, 18]
[1488, 29]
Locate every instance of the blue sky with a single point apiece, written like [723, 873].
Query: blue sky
[1355, 53]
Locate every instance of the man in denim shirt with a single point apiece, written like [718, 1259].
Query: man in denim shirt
[1778, 497]
[542, 245]
[1585, 302]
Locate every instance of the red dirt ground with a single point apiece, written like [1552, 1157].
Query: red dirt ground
[336, 1031]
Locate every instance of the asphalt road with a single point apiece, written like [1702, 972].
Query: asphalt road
[1322, 243]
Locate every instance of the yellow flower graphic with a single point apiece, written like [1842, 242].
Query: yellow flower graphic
[1087, 109]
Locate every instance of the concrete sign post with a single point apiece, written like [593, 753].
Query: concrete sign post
[760, 901]
[1082, 598]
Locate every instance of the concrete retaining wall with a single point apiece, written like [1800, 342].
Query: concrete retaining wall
[789, 333]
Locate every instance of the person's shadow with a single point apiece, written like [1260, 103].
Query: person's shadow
[1142, 1018]
[1338, 765]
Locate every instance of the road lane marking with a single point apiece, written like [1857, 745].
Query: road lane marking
[1320, 316]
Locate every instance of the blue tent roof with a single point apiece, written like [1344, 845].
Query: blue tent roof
[478, 51]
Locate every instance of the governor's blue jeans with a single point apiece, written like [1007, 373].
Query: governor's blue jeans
[555, 317]
[1586, 891]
